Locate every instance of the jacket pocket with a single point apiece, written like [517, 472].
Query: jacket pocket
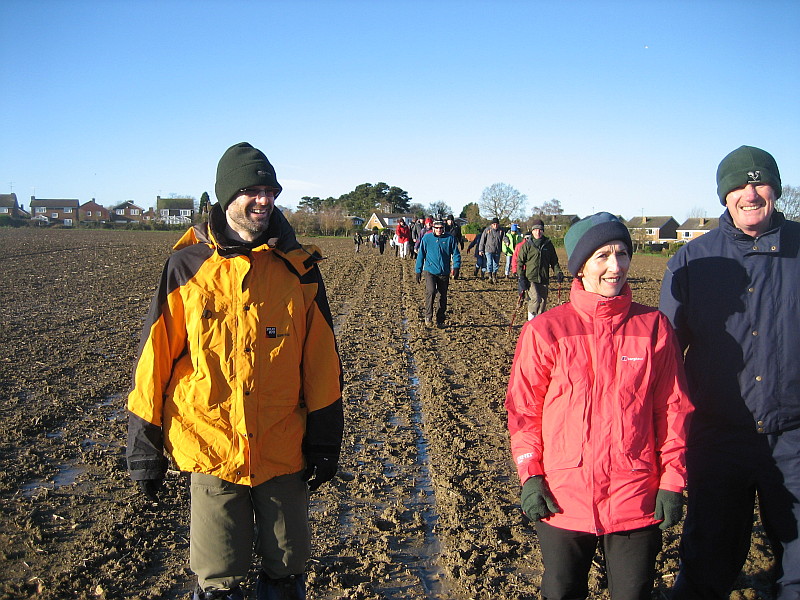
[564, 425]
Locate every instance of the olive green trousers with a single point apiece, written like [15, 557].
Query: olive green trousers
[229, 520]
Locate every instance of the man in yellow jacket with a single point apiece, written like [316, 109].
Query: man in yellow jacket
[238, 381]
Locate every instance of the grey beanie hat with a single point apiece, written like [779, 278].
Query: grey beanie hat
[243, 166]
[591, 233]
[747, 164]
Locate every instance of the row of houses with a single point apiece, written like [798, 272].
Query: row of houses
[70, 212]
[645, 230]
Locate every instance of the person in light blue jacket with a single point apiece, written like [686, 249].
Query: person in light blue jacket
[434, 262]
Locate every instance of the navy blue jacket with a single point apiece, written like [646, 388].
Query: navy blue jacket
[434, 254]
[734, 301]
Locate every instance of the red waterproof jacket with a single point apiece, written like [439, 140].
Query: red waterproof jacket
[403, 233]
[597, 404]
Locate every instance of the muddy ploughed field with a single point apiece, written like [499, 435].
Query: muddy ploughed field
[426, 503]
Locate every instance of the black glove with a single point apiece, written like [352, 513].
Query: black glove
[455, 272]
[419, 277]
[523, 284]
[560, 277]
[537, 500]
[669, 507]
[150, 488]
[320, 468]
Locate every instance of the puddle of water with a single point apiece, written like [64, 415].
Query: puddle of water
[67, 474]
[431, 576]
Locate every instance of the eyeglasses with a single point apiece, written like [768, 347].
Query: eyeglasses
[438, 227]
[256, 192]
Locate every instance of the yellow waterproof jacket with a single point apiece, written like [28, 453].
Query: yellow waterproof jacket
[237, 362]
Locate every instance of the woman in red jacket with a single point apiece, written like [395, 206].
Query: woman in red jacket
[597, 413]
[403, 237]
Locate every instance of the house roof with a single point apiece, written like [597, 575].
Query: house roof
[127, 204]
[174, 203]
[648, 222]
[383, 217]
[699, 224]
[92, 203]
[8, 200]
[54, 203]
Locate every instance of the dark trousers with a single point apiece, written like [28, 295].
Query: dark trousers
[723, 481]
[567, 557]
[434, 284]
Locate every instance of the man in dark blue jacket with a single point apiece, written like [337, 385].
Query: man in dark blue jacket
[433, 259]
[733, 296]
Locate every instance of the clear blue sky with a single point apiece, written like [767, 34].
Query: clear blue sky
[622, 106]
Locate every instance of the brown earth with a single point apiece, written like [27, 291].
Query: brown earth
[426, 503]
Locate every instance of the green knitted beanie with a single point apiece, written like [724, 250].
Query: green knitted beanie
[240, 167]
[744, 165]
[591, 233]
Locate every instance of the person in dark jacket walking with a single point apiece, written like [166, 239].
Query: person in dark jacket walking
[480, 260]
[732, 296]
[433, 261]
[454, 229]
[491, 245]
[535, 260]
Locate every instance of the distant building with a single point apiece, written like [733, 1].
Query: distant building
[10, 207]
[92, 212]
[694, 228]
[387, 220]
[55, 211]
[127, 212]
[557, 224]
[175, 211]
[646, 231]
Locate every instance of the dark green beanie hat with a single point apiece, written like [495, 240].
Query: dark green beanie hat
[589, 234]
[240, 167]
[744, 165]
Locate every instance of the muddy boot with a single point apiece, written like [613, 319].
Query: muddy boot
[475, 272]
[292, 587]
[232, 594]
[483, 274]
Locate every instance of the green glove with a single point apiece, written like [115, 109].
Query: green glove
[669, 508]
[537, 500]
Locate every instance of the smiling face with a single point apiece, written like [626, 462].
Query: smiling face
[248, 214]
[606, 270]
[751, 208]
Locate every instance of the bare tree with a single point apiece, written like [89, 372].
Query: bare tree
[696, 212]
[789, 202]
[502, 201]
[550, 207]
[440, 209]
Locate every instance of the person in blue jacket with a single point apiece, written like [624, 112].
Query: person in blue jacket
[733, 296]
[433, 261]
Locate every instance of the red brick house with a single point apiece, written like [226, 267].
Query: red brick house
[694, 228]
[646, 231]
[9, 207]
[92, 212]
[55, 211]
[127, 212]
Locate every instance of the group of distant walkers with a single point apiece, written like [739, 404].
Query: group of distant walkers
[615, 409]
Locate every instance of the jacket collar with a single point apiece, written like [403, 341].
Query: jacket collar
[771, 238]
[279, 235]
[593, 305]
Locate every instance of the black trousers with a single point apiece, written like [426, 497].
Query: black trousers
[434, 284]
[567, 557]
